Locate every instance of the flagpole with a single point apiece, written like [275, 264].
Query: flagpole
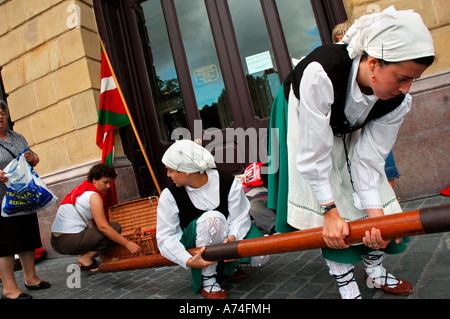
[131, 119]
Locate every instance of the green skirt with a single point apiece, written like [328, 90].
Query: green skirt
[278, 177]
[353, 254]
[226, 268]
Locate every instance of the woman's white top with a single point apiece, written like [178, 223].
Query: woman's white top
[206, 198]
[316, 137]
[68, 221]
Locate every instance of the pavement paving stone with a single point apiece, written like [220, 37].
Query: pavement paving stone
[296, 275]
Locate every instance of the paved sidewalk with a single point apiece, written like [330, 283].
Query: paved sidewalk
[298, 275]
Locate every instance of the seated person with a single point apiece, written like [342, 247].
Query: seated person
[80, 226]
[202, 207]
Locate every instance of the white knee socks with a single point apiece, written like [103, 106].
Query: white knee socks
[212, 228]
[376, 272]
[377, 275]
[348, 288]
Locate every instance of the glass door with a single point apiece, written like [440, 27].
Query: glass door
[203, 63]
[256, 54]
[254, 22]
[164, 84]
[212, 106]
[215, 66]
[268, 35]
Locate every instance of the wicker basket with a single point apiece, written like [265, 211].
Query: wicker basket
[138, 221]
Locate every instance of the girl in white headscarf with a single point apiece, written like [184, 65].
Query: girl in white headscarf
[202, 207]
[345, 104]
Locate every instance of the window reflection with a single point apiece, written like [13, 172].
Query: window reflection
[161, 69]
[206, 74]
[256, 54]
[301, 34]
[299, 27]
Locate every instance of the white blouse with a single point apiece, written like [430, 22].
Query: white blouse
[70, 221]
[316, 136]
[206, 198]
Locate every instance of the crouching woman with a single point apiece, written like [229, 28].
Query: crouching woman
[81, 228]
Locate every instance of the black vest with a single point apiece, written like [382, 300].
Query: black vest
[337, 64]
[188, 212]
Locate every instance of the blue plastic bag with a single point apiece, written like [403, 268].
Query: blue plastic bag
[25, 192]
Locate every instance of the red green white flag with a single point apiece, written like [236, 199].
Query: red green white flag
[111, 115]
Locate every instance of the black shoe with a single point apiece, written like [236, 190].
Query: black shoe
[21, 296]
[42, 285]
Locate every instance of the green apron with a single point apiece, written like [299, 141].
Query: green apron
[278, 183]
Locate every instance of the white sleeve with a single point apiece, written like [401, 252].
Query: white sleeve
[238, 211]
[375, 143]
[168, 230]
[315, 133]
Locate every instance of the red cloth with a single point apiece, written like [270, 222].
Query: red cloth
[252, 175]
[446, 192]
[38, 253]
[77, 191]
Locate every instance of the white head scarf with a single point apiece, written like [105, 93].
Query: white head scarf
[186, 156]
[390, 35]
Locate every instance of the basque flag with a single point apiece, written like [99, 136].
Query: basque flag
[111, 116]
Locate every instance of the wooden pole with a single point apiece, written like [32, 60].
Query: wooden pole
[412, 223]
[131, 119]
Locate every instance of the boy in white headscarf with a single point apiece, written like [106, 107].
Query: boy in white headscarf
[202, 207]
[343, 106]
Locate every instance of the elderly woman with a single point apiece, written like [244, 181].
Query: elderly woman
[82, 208]
[202, 207]
[344, 106]
[19, 234]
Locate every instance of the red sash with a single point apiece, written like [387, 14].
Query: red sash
[77, 191]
